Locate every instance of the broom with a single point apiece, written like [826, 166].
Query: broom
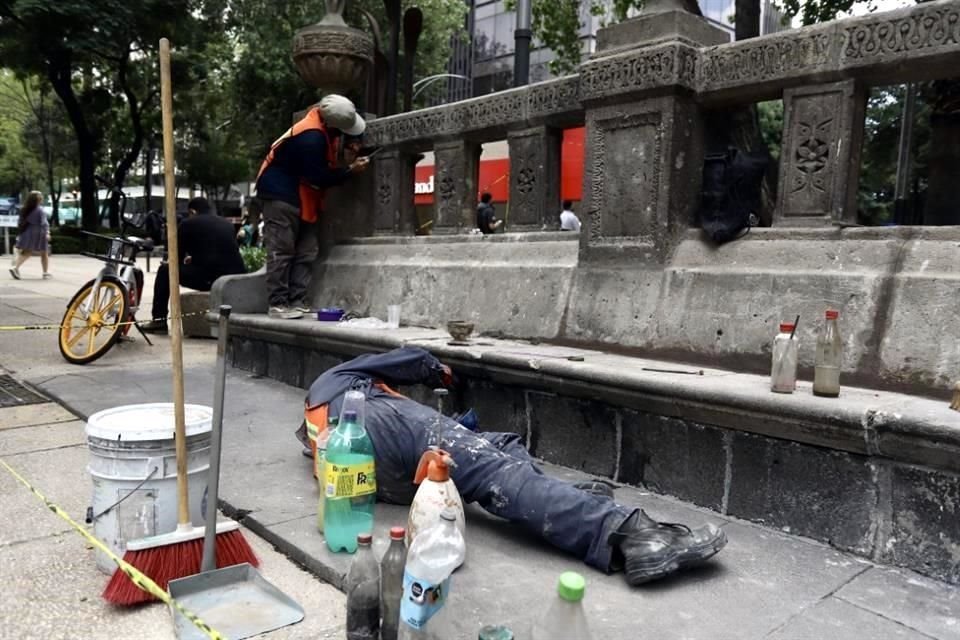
[177, 554]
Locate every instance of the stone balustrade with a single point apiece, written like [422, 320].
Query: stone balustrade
[643, 97]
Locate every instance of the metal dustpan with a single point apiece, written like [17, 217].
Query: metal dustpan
[236, 601]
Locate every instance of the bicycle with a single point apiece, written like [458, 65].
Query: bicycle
[104, 309]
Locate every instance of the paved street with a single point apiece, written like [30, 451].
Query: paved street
[766, 584]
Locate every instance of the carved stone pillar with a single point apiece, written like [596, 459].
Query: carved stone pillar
[644, 136]
[394, 210]
[455, 191]
[820, 157]
[534, 178]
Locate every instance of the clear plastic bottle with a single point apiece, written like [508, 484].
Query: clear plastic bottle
[783, 371]
[320, 460]
[391, 583]
[431, 560]
[350, 486]
[363, 592]
[826, 372]
[565, 619]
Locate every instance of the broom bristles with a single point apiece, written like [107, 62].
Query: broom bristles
[174, 561]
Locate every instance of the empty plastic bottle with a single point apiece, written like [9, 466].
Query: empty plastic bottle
[431, 559]
[565, 619]
[363, 592]
[320, 460]
[350, 485]
[391, 584]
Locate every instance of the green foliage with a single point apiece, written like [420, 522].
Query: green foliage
[253, 258]
[770, 115]
[264, 84]
[816, 11]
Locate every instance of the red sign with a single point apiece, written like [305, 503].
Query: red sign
[495, 174]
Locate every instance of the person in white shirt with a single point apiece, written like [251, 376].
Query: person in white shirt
[568, 219]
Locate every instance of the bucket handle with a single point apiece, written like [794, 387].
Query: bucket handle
[90, 519]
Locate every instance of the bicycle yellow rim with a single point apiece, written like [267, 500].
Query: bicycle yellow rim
[83, 337]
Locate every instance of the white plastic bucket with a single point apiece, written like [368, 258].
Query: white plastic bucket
[133, 465]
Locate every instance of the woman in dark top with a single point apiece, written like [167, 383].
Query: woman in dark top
[34, 235]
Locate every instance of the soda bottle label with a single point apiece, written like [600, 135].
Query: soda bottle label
[349, 480]
[421, 600]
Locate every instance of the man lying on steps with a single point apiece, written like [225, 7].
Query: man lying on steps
[496, 471]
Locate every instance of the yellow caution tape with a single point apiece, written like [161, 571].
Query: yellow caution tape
[48, 327]
[138, 578]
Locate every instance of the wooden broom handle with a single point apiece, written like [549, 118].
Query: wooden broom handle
[173, 265]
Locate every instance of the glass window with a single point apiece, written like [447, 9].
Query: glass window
[484, 39]
[506, 23]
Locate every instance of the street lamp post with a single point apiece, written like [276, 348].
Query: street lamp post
[522, 36]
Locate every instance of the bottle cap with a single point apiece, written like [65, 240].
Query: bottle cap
[349, 416]
[832, 314]
[571, 586]
[448, 514]
[786, 327]
[397, 533]
[364, 538]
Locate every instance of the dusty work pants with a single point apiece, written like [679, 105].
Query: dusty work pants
[292, 248]
[495, 471]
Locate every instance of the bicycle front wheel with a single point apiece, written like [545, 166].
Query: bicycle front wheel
[93, 321]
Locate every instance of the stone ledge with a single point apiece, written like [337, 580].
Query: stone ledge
[899, 427]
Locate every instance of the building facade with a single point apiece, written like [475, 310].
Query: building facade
[485, 58]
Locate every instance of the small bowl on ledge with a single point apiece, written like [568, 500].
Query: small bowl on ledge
[459, 330]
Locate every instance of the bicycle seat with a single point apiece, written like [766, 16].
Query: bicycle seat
[144, 244]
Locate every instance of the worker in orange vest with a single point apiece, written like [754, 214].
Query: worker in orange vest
[301, 165]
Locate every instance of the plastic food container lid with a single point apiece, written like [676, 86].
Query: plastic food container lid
[571, 586]
[142, 422]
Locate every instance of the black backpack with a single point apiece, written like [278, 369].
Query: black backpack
[731, 193]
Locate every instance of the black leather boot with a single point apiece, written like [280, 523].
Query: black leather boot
[652, 550]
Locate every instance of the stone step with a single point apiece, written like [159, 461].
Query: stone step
[873, 472]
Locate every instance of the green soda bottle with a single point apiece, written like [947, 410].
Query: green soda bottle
[350, 485]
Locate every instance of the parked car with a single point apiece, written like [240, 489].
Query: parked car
[9, 206]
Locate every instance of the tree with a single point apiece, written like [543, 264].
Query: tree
[45, 128]
[266, 87]
[85, 48]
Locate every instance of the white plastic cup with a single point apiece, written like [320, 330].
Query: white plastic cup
[393, 316]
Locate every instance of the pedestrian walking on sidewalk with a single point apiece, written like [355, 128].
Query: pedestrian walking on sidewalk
[496, 471]
[33, 235]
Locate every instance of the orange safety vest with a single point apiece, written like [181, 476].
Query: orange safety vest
[311, 198]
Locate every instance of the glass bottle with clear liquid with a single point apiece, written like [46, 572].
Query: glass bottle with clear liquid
[826, 372]
[783, 370]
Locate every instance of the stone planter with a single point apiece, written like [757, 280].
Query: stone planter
[332, 56]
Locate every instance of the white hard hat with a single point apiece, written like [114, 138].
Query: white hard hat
[339, 112]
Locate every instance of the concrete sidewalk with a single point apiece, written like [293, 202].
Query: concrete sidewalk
[766, 584]
[51, 586]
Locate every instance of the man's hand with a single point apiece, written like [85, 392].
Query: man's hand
[359, 165]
